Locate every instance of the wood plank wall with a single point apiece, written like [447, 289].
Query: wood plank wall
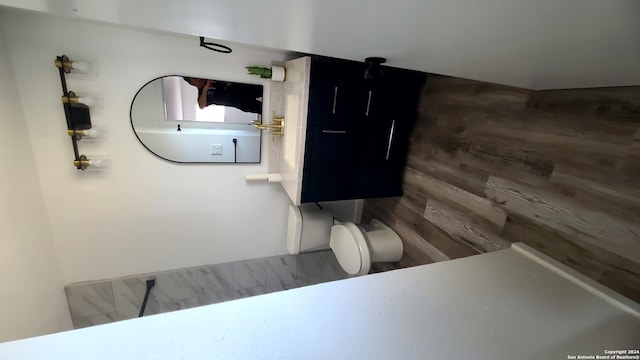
[490, 165]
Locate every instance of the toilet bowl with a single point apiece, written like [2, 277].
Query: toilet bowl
[356, 247]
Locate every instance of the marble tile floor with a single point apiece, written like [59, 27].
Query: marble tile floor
[106, 301]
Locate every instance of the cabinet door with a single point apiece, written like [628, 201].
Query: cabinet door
[331, 165]
[389, 118]
[382, 168]
[384, 160]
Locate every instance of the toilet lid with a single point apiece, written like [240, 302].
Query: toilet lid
[350, 248]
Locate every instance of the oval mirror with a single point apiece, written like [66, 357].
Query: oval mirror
[194, 120]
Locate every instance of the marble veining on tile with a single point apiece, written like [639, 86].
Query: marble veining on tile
[249, 274]
[215, 283]
[243, 293]
[281, 273]
[317, 267]
[121, 299]
[177, 285]
[173, 306]
[99, 319]
[90, 299]
[129, 295]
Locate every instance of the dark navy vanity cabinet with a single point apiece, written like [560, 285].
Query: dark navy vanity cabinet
[357, 130]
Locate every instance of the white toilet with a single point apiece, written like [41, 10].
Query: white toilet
[355, 246]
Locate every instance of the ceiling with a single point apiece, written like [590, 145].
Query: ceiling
[541, 44]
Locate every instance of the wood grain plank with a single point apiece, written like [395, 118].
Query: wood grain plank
[463, 227]
[593, 227]
[411, 214]
[419, 244]
[635, 145]
[468, 180]
[412, 256]
[477, 92]
[613, 193]
[447, 114]
[612, 183]
[450, 247]
[483, 97]
[515, 151]
[436, 189]
[632, 162]
[551, 142]
[409, 260]
[413, 199]
[497, 153]
[589, 128]
[615, 104]
[510, 168]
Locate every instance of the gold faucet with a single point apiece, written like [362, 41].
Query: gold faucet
[277, 128]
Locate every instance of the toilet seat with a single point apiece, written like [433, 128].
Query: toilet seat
[350, 248]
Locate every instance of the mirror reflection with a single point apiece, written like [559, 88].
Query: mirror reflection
[188, 119]
[244, 97]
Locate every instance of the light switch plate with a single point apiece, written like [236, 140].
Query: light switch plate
[216, 149]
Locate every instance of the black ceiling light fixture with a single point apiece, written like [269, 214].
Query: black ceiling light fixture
[373, 71]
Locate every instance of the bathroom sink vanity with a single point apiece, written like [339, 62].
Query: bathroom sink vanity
[346, 137]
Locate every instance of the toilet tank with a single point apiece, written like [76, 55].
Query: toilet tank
[309, 228]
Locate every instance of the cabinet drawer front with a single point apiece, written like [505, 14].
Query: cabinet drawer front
[335, 90]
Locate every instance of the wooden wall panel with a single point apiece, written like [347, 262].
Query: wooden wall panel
[419, 244]
[436, 189]
[465, 227]
[490, 164]
[593, 227]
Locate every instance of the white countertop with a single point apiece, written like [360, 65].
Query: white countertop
[296, 105]
[509, 304]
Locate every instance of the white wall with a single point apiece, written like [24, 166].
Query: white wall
[31, 286]
[144, 214]
[540, 44]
